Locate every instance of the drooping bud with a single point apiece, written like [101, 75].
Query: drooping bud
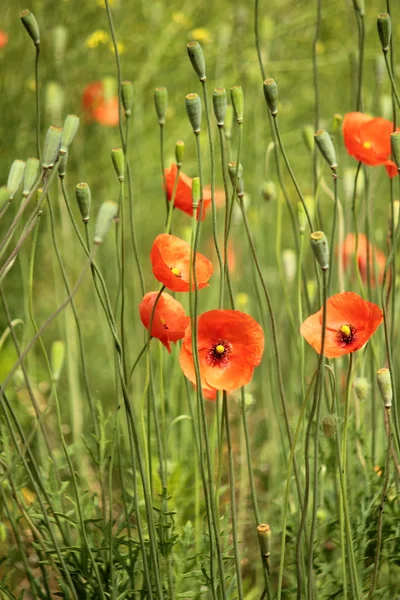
[264, 539]
[31, 173]
[228, 122]
[83, 198]
[30, 24]
[15, 177]
[271, 95]
[127, 97]
[161, 103]
[57, 359]
[329, 426]
[395, 143]
[319, 244]
[326, 147]
[220, 105]
[269, 191]
[308, 137]
[117, 155]
[232, 166]
[52, 144]
[361, 388]
[62, 165]
[237, 100]
[196, 192]
[196, 56]
[193, 109]
[179, 152]
[70, 128]
[107, 213]
[385, 386]
[384, 23]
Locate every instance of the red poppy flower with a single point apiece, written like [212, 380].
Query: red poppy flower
[3, 38]
[368, 140]
[350, 322]
[170, 259]
[230, 345]
[99, 108]
[375, 256]
[169, 320]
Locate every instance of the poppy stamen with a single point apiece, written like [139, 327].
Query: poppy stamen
[220, 349]
[175, 271]
[218, 354]
[367, 145]
[346, 334]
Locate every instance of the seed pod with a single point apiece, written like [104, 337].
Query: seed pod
[30, 24]
[70, 128]
[329, 426]
[52, 144]
[385, 386]
[62, 165]
[395, 143]
[319, 244]
[31, 173]
[83, 198]
[271, 95]
[117, 155]
[179, 152]
[264, 539]
[127, 97]
[220, 105]
[193, 109]
[107, 213]
[57, 359]
[326, 147]
[196, 56]
[196, 192]
[384, 23]
[237, 100]
[15, 177]
[161, 103]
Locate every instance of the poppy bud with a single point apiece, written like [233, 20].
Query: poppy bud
[70, 128]
[30, 24]
[193, 109]
[384, 23]
[179, 152]
[117, 155]
[239, 181]
[107, 213]
[197, 59]
[161, 103]
[83, 198]
[395, 143]
[220, 104]
[228, 122]
[62, 165]
[57, 359]
[196, 192]
[52, 143]
[359, 6]
[326, 147]
[361, 388]
[271, 95]
[237, 102]
[264, 539]
[336, 122]
[319, 244]
[385, 386]
[268, 191]
[4, 195]
[308, 137]
[127, 97]
[31, 173]
[329, 426]
[15, 176]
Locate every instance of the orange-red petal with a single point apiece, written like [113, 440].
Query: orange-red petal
[169, 320]
[183, 196]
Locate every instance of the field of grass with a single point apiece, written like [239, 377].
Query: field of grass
[214, 441]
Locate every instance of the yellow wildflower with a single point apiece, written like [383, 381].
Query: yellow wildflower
[200, 34]
[179, 18]
[242, 299]
[97, 37]
[120, 47]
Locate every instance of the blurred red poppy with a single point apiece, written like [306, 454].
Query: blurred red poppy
[170, 259]
[3, 38]
[350, 322]
[368, 140]
[230, 344]
[169, 320]
[98, 108]
[364, 248]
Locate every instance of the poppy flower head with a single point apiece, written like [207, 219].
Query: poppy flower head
[3, 38]
[98, 106]
[364, 250]
[183, 196]
[368, 140]
[169, 320]
[350, 322]
[170, 259]
[230, 345]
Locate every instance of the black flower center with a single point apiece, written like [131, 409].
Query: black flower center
[218, 354]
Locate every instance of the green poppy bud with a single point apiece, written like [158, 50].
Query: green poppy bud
[70, 128]
[62, 165]
[52, 144]
[193, 109]
[307, 133]
[107, 213]
[240, 181]
[117, 155]
[57, 359]
[83, 198]
[326, 147]
[237, 100]
[271, 95]
[15, 177]
[161, 103]
[127, 96]
[385, 386]
[264, 539]
[336, 122]
[30, 24]
[319, 244]
[220, 105]
[196, 192]
[197, 59]
[31, 173]
[359, 7]
[269, 191]
[395, 143]
[179, 152]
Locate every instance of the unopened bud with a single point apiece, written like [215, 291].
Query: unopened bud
[326, 147]
[30, 24]
[15, 177]
[161, 103]
[52, 144]
[319, 244]
[117, 155]
[220, 105]
[127, 97]
[70, 128]
[57, 359]
[271, 95]
[384, 23]
[196, 56]
[385, 386]
[232, 168]
[31, 173]
[308, 137]
[83, 198]
[336, 122]
[329, 426]
[361, 388]
[193, 109]
[179, 152]
[107, 213]
[269, 191]
[359, 6]
[395, 143]
[237, 100]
